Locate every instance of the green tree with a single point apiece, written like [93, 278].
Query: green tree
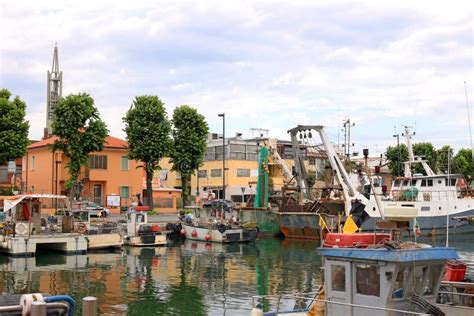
[442, 159]
[80, 131]
[13, 127]
[148, 134]
[463, 163]
[190, 141]
[426, 151]
[395, 165]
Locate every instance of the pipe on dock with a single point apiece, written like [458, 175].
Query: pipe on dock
[38, 308]
[62, 298]
[89, 306]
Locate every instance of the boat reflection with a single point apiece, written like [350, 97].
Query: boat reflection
[187, 278]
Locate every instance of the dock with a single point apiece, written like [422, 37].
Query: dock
[28, 245]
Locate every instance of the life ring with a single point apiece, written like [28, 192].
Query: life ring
[81, 228]
[21, 228]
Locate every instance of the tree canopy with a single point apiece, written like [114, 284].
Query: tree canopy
[80, 131]
[148, 134]
[427, 151]
[13, 127]
[463, 163]
[190, 131]
[396, 165]
[437, 159]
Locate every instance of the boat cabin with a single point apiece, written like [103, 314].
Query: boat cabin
[135, 219]
[379, 281]
[428, 188]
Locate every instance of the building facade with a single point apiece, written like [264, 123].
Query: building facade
[109, 173]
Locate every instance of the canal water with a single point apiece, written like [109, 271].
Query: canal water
[190, 278]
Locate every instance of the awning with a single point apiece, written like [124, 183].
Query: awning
[10, 202]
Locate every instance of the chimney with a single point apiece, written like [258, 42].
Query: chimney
[46, 133]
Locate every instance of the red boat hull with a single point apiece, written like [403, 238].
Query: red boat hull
[356, 240]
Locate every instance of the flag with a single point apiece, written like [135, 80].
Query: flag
[322, 223]
[416, 228]
[350, 226]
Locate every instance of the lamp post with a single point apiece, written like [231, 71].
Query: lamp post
[223, 154]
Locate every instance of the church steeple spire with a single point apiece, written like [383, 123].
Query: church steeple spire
[55, 90]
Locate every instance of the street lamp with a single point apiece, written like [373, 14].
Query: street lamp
[223, 154]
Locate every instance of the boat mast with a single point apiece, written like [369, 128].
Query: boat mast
[469, 121]
[411, 157]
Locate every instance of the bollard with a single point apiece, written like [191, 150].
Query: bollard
[89, 306]
[38, 309]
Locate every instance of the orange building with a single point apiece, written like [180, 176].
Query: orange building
[110, 180]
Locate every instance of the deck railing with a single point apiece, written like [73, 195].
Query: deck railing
[312, 299]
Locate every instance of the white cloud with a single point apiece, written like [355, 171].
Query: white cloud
[266, 64]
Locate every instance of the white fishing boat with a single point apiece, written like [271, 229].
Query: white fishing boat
[140, 233]
[217, 223]
[439, 199]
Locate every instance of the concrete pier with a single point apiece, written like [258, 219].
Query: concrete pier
[27, 246]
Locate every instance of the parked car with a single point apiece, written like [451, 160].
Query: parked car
[95, 209]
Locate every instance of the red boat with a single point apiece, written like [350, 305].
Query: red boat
[356, 240]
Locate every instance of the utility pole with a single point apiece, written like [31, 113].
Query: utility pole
[347, 138]
[399, 154]
[223, 154]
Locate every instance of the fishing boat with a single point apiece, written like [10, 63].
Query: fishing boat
[300, 209]
[441, 200]
[388, 279]
[102, 235]
[23, 228]
[140, 233]
[216, 222]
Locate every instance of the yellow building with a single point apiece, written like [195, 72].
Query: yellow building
[241, 165]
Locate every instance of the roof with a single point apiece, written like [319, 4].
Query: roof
[110, 142]
[423, 254]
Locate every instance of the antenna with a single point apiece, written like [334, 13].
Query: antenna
[469, 121]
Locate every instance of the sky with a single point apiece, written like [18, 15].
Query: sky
[266, 64]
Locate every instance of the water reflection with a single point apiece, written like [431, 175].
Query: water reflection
[192, 278]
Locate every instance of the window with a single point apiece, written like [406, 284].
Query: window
[33, 163]
[163, 202]
[243, 172]
[431, 283]
[423, 183]
[425, 208]
[215, 173]
[163, 174]
[452, 181]
[338, 277]
[405, 183]
[124, 163]
[400, 283]
[124, 192]
[368, 279]
[419, 277]
[397, 183]
[202, 173]
[430, 183]
[3, 174]
[98, 162]
[32, 189]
